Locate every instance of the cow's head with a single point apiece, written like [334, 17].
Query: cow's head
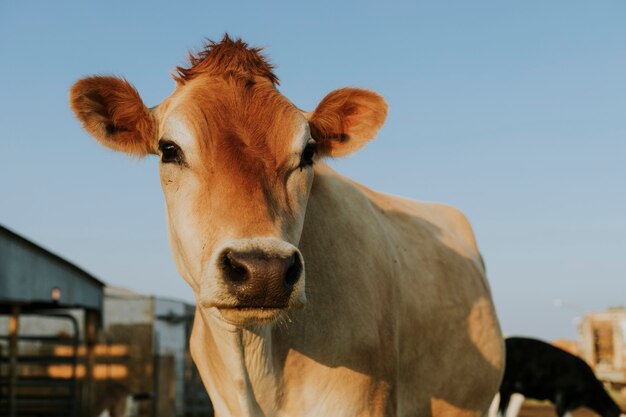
[236, 169]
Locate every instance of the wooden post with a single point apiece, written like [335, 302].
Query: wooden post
[14, 323]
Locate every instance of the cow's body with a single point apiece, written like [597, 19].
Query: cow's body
[403, 327]
[393, 316]
[541, 371]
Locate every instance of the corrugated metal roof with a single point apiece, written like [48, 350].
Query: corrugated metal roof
[28, 273]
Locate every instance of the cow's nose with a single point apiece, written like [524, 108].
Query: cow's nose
[259, 279]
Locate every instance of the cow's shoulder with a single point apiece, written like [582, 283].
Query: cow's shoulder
[413, 223]
[453, 221]
[447, 224]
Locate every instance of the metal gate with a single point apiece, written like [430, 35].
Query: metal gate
[39, 373]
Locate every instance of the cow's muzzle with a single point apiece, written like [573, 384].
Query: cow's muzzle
[259, 279]
[254, 281]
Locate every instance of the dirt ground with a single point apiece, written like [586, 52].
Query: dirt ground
[540, 409]
[532, 408]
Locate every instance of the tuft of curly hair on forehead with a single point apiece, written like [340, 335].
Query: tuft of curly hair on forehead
[227, 57]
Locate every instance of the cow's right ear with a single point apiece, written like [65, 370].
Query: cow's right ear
[112, 111]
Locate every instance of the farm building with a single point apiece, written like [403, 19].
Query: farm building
[150, 335]
[70, 346]
[603, 344]
[46, 302]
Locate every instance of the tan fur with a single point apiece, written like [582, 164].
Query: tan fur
[398, 318]
[243, 148]
[112, 111]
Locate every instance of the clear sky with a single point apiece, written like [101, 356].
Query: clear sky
[514, 112]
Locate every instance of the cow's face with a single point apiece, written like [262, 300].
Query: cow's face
[236, 169]
[236, 164]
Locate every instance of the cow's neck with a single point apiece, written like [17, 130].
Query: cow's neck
[248, 361]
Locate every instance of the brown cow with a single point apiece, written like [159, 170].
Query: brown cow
[395, 316]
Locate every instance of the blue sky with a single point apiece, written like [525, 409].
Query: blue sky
[514, 112]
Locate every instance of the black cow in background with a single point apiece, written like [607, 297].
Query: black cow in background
[541, 371]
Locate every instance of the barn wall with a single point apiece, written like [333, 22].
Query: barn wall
[28, 273]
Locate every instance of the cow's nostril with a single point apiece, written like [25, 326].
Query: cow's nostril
[294, 269]
[235, 270]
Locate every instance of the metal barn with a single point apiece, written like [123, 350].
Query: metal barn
[46, 304]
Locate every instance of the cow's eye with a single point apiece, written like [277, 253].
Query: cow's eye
[307, 155]
[170, 152]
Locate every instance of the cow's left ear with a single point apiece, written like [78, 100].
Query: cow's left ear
[345, 120]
